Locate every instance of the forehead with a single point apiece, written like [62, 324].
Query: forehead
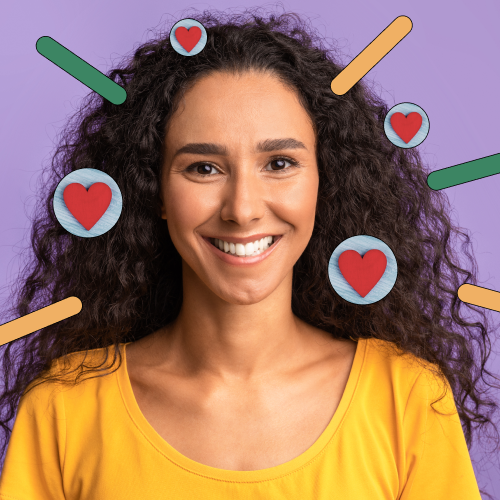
[237, 108]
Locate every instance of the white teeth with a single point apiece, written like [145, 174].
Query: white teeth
[247, 250]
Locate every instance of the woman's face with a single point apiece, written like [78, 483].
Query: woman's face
[240, 167]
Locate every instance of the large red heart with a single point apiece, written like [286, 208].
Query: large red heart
[87, 206]
[406, 126]
[362, 273]
[188, 38]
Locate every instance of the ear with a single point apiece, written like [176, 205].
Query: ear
[161, 209]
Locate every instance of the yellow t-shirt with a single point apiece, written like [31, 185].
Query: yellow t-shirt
[91, 442]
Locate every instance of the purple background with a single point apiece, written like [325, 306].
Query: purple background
[448, 65]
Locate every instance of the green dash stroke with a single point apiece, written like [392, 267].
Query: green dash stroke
[465, 172]
[81, 70]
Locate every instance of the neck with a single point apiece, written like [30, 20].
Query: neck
[232, 340]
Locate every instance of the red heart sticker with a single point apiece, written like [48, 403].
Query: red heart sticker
[188, 38]
[406, 126]
[89, 206]
[362, 273]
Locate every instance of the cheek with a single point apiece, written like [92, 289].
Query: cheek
[188, 207]
[185, 208]
[297, 204]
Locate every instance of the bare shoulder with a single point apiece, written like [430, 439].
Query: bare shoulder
[329, 346]
[142, 352]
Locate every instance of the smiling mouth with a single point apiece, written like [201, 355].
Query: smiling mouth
[244, 250]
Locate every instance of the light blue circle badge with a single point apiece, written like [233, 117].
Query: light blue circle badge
[188, 37]
[87, 202]
[406, 125]
[362, 269]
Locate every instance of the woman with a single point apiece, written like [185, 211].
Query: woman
[212, 358]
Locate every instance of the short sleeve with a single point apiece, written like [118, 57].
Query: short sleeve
[34, 460]
[438, 464]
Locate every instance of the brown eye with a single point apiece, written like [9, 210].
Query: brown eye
[278, 164]
[203, 169]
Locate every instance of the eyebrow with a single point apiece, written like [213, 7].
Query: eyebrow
[210, 148]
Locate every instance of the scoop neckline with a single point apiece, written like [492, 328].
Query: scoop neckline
[174, 456]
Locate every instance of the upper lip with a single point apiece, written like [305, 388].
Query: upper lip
[245, 240]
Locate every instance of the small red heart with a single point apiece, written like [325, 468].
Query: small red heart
[87, 206]
[406, 126]
[188, 38]
[362, 273]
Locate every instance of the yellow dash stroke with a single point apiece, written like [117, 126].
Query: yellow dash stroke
[371, 55]
[479, 296]
[39, 319]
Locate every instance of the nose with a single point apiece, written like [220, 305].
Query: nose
[243, 197]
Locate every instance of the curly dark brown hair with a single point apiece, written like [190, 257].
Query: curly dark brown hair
[129, 279]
